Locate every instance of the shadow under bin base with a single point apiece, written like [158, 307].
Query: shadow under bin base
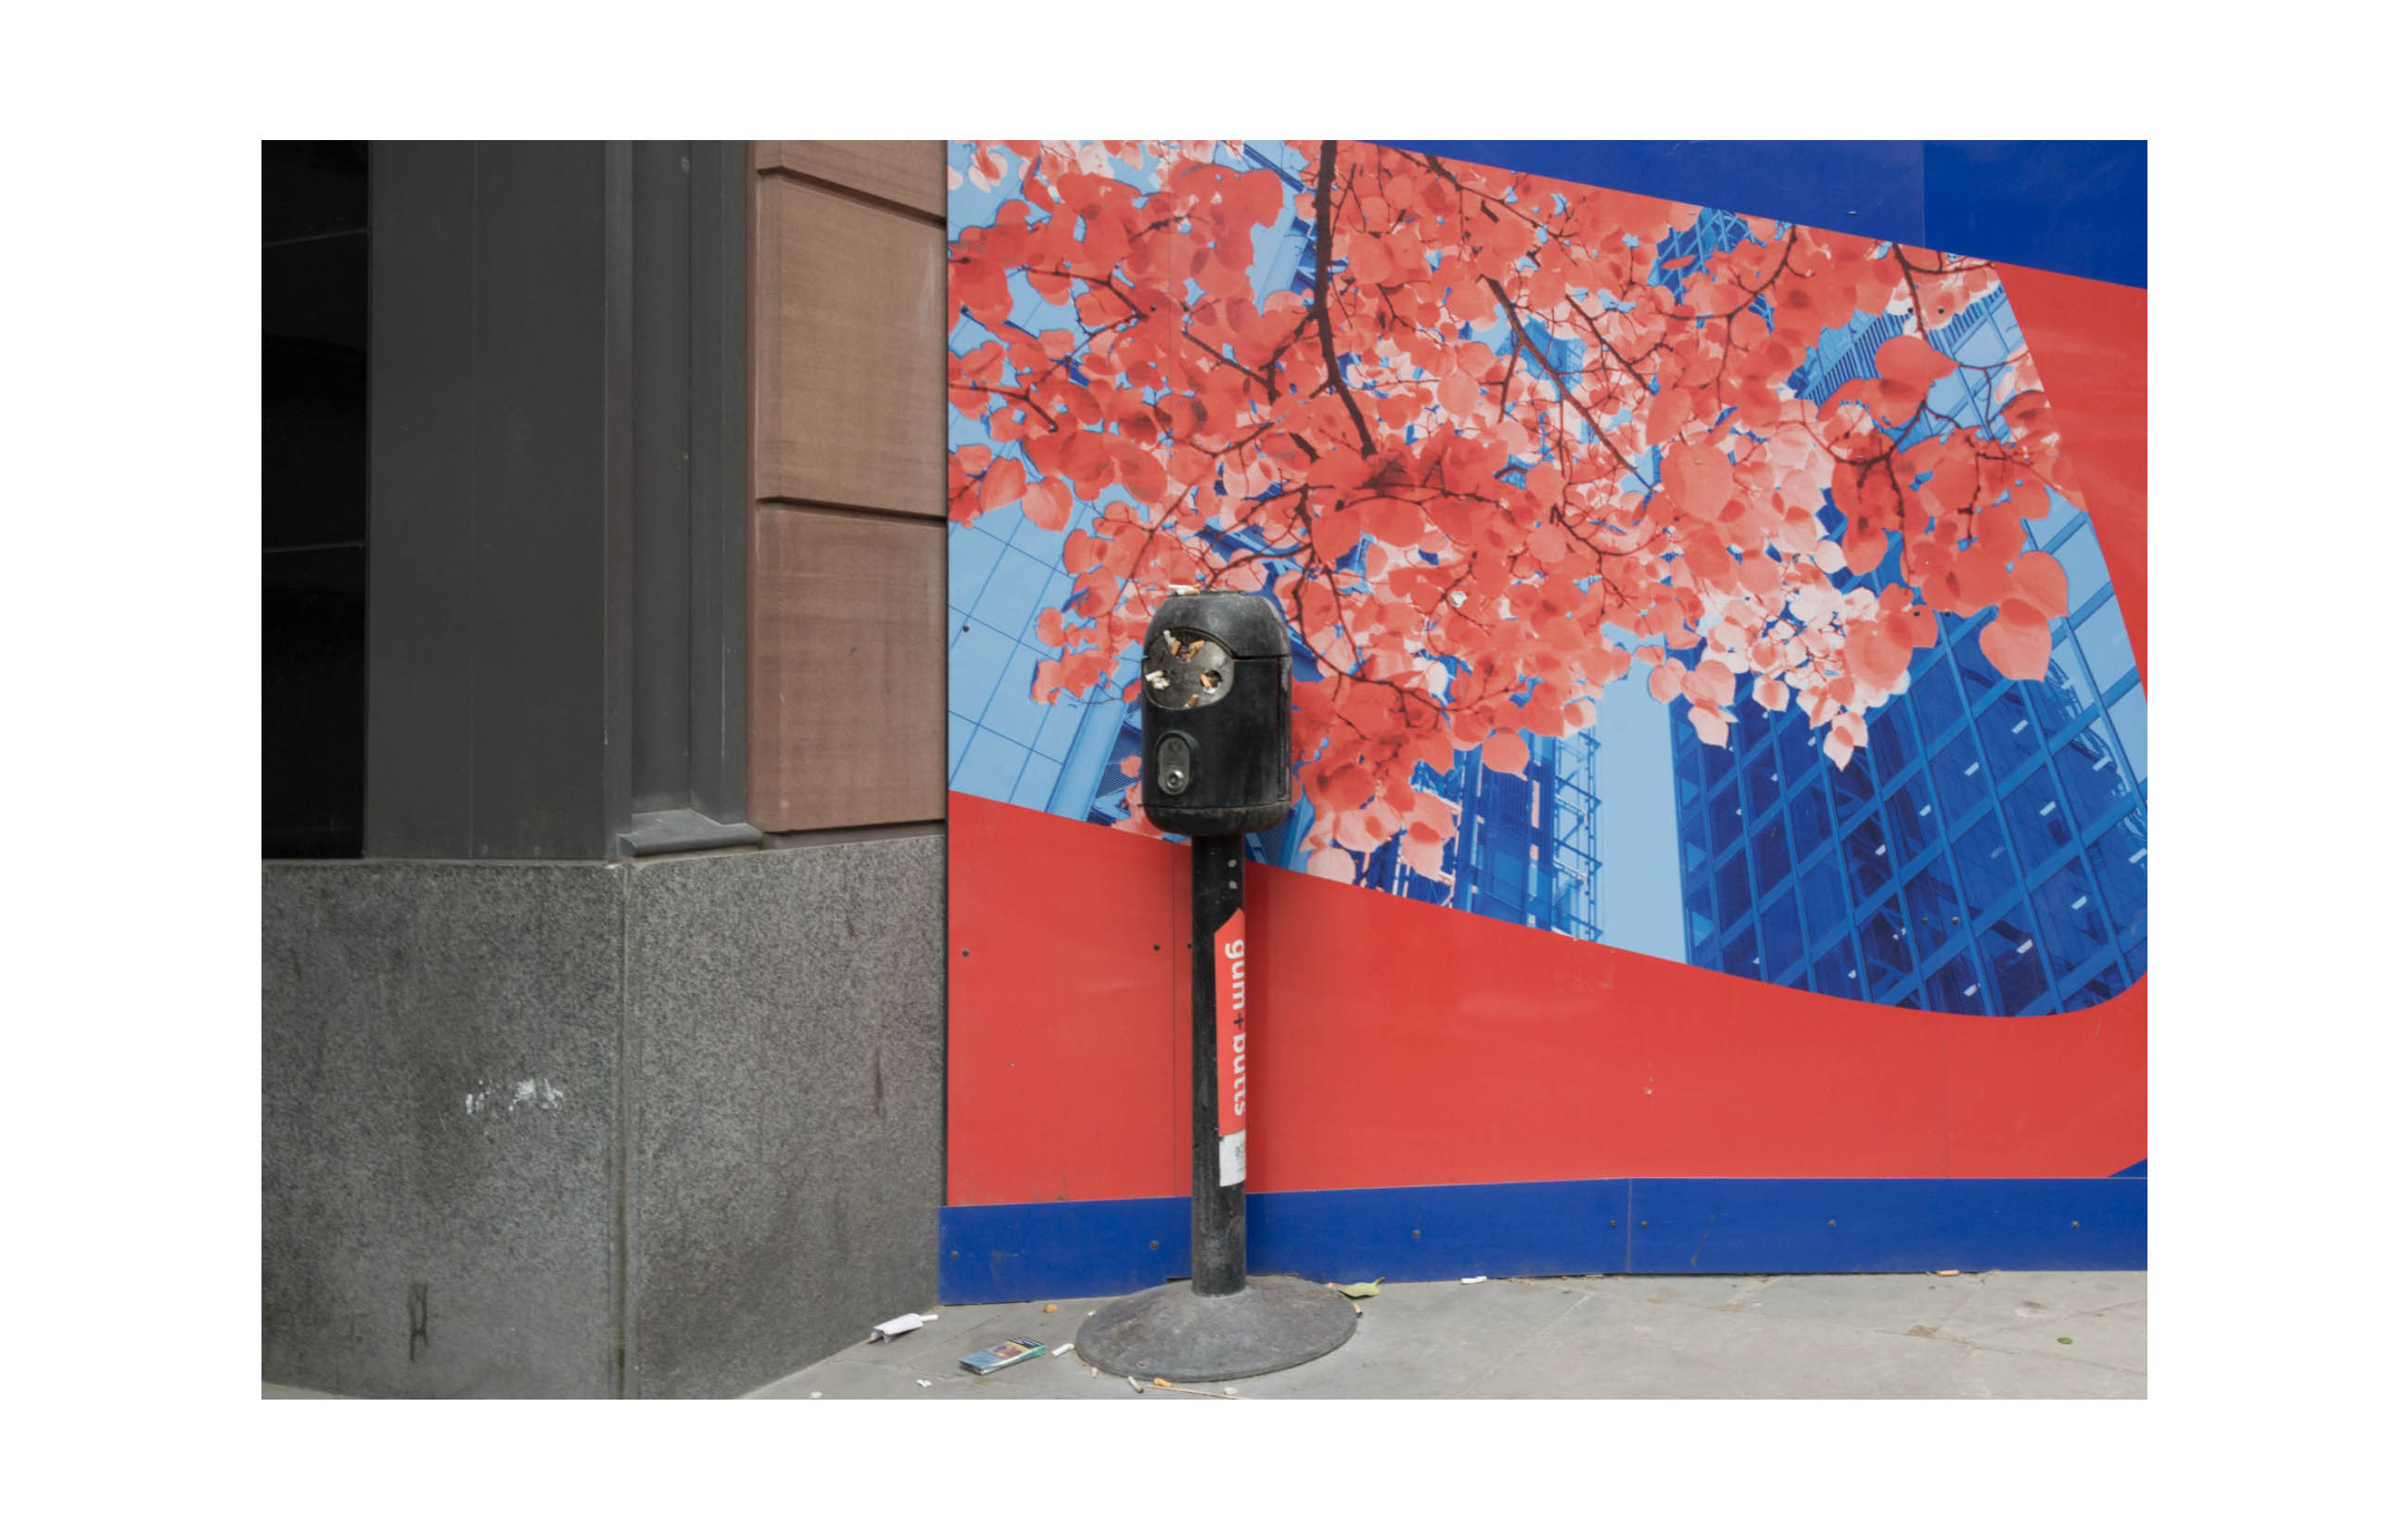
[1277, 1321]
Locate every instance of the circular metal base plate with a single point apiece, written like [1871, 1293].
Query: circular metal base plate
[1276, 1322]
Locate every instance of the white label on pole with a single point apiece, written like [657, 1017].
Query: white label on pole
[1233, 1158]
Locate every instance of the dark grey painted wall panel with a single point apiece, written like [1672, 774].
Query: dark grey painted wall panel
[722, 485]
[565, 377]
[439, 1049]
[540, 564]
[663, 594]
[422, 503]
[787, 1031]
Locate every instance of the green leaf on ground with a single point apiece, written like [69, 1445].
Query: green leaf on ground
[1363, 1291]
[2064, 1339]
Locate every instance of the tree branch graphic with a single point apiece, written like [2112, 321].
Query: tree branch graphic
[1499, 429]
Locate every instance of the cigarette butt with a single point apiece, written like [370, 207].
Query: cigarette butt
[1063, 1348]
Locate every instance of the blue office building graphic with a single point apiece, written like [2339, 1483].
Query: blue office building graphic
[1990, 853]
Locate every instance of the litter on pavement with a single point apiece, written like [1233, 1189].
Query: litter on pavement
[1162, 1384]
[986, 1361]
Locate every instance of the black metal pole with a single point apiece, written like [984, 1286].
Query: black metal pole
[1217, 881]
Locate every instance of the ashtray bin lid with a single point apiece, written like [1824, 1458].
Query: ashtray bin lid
[1246, 624]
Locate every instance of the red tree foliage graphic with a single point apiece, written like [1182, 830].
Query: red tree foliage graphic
[1450, 525]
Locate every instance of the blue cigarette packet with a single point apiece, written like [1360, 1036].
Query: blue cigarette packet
[986, 1361]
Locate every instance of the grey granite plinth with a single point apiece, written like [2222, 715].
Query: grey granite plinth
[669, 1127]
[439, 1072]
[788, 1011]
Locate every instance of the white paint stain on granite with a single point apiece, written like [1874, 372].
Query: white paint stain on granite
[528, 1093]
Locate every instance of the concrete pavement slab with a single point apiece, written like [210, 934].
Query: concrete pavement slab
[1599, 1336]
[1983, 1371]
[2116, 1337]
[1645, 1336]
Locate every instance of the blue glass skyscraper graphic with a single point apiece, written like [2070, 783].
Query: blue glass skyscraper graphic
[1990, 853]
[1527, 845]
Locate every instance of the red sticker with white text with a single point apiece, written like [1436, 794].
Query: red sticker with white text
[1229, 1010]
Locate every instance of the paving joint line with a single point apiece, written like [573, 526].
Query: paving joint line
[1516, 1351]
[1819, 1324]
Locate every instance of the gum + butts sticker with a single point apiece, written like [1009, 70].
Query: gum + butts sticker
[1230, 959]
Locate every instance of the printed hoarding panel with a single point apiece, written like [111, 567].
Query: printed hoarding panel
[1696, 583]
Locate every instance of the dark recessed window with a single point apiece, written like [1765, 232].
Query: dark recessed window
[314, 481]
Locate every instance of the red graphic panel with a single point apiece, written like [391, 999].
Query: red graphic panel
[1403, 1043]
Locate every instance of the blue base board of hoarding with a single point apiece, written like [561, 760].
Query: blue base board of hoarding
[1615, 1226]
